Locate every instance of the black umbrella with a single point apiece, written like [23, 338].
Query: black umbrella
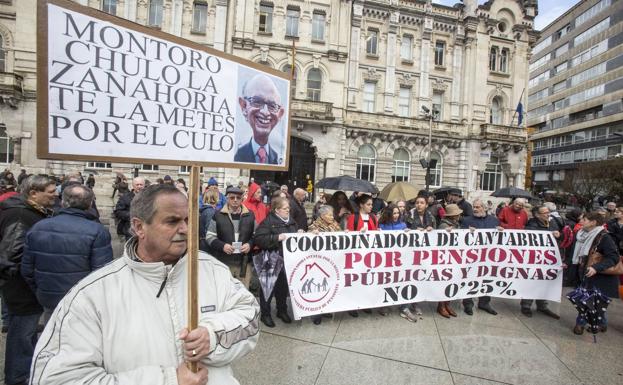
[591, 305]
[267, 264]
[346, 183]
[511, 192]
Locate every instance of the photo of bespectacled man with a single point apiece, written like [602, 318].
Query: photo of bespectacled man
[262, 104]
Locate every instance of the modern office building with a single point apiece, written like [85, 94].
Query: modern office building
[575, 91]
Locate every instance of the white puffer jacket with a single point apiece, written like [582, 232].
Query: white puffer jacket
[112, 328]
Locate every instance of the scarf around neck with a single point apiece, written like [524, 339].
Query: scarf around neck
[583, 243]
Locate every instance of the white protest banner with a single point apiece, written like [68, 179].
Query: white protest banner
[113, 90]
[332, 272]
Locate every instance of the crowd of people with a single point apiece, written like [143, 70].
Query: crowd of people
[51, 239]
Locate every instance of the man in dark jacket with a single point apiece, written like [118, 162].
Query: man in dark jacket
[541, 221]
[230, 235]
[122, 209]
[480, 220]
[61, 250]
[17, 215]
[297, 209]
[456, 196]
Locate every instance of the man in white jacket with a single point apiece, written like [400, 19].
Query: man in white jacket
[125, 323]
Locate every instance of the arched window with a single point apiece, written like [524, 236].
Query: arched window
[314, 84]
[366, 163]
[493, 56]
[402, 165]
[2, 56]
[496, 111]
[288, 69]
[491, 178]
[436, 173]
[6, 146]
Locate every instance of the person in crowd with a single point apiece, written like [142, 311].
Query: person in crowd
[230, 235]
[322, 200]
[499, 208]
[92, 328]
[213, 185]
[90, 182]
[615, 228]
[378, 204]
[254, 203]
[434, 207]
[17, 215]
[269, 236]
[60, 251]
[554, 215]
[342, 207]
[390, 220]
[309, 187]
[8, 176]
[278, 194]
[167, 180]
[404, 213]
[514, 217]
[490, 209]
[480, 220]
[115, 185]
[449, 223]
[456, 197]
[324, 223]
[22, 175]
[570, 273]
[297, 209]
[182, 187]
[610, 208]
[541, 221]
[592, 238]
[362, 220]
[206, 213]
[122, 209]
[284, 189]
[6, 190]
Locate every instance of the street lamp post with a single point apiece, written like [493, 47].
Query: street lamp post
[429, 114]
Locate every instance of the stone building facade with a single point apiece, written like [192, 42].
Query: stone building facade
[365, 71]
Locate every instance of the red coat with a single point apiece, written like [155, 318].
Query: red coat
[373, 222]
[7, 195]
[259, 209]
[511, 219]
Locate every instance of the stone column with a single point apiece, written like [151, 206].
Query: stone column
[425, 96]
[390, 71]
[129, 11]
[177, 16]
[353, 63]
[457, 64]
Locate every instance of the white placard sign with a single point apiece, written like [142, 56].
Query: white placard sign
[112, 89]
[332, 272]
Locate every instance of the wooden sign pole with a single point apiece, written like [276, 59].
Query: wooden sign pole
[193, 252]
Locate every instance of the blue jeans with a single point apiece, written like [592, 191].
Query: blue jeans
[20, 346]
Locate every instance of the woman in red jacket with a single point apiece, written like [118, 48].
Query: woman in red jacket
[254, 203]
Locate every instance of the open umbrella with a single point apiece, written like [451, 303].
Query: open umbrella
[346, 183]
[591, 305]
[268, 264]
[399, 191]
[511, 192]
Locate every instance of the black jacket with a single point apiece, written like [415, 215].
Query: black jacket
[298, 214]
[608, 284]
[16, 218]
[616, 232]
[221, 231]
[536, 224]
[267, 233]
[416, 223]
[122, 214]
[464, 205]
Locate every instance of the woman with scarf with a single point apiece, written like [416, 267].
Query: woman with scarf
[254, 203]
[592, 238]
[449, 222]
[324, 223]
[270, 236]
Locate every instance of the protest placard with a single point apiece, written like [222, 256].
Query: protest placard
[332, 272]
[113, 90]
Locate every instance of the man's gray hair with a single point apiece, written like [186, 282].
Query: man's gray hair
[143, 205]
[523, 201]
[551, 206]
[478, 200]
[77, 196]
[325, 209]
[35, 183]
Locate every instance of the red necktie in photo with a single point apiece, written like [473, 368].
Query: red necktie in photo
[261, 153]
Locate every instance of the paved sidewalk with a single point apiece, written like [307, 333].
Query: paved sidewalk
[479, 350]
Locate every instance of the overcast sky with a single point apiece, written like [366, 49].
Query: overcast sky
[549, 10]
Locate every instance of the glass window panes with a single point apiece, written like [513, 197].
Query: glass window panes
[440, 47]
[402, 166]
[437, 105]
[588, 74]
[592, 31]
[562, 49]
[109, 6]
[542, 61]
[404, 101]
[542, 45]
[491, 178]
[318, 23]
[2, 56]
[562, 67]
[6, 146]
[436, 173]
[406, 47]
[372, 42]
[155, 13]
[559, 86]
[200, 17]
[592, 11]
[314, 84]
[292, 22]
[369, 91]
[590, 53]
[496, 111]
[504, 60]
[288, 69]
[150, 167]
[366, 163]
[266, 18]
[538, 79]
[99, 165]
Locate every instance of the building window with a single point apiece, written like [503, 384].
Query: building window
[6, 146]
[560, 68]
[318, 21]
[402, 166]
[406, 48]
[314, 84]
[437, 105]
[497, 111]
[150, 167]
[504, 60]
[292, 22]
[436, 175]
[562, 32]
[155, 13]
[592, 11]
[366, 163]
[288, 69]
[559, 86]
[372, 42]
[493, 58]
[440, 47]
[369, 90]
[200, 17]
[491, 178]
[102, 165]
[186, 170]
[266, 18]
[404, 102]
[109, 6]
[592, 31]
[2, 56]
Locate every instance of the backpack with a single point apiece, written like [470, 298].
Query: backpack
[567, 237]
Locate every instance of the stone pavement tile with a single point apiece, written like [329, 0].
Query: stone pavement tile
[348, 368]
[280, 360]
[505, 318]
[460, 379]
[392, 337]
[305, 330]
[511, 356]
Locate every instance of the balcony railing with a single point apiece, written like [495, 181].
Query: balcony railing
[307, 109]
[505, 133]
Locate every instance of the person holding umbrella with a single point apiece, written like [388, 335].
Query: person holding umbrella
[590, 239]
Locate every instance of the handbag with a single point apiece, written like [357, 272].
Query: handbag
[595, 256]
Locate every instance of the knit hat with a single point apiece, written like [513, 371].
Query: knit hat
[212, 182]
[167, 177]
